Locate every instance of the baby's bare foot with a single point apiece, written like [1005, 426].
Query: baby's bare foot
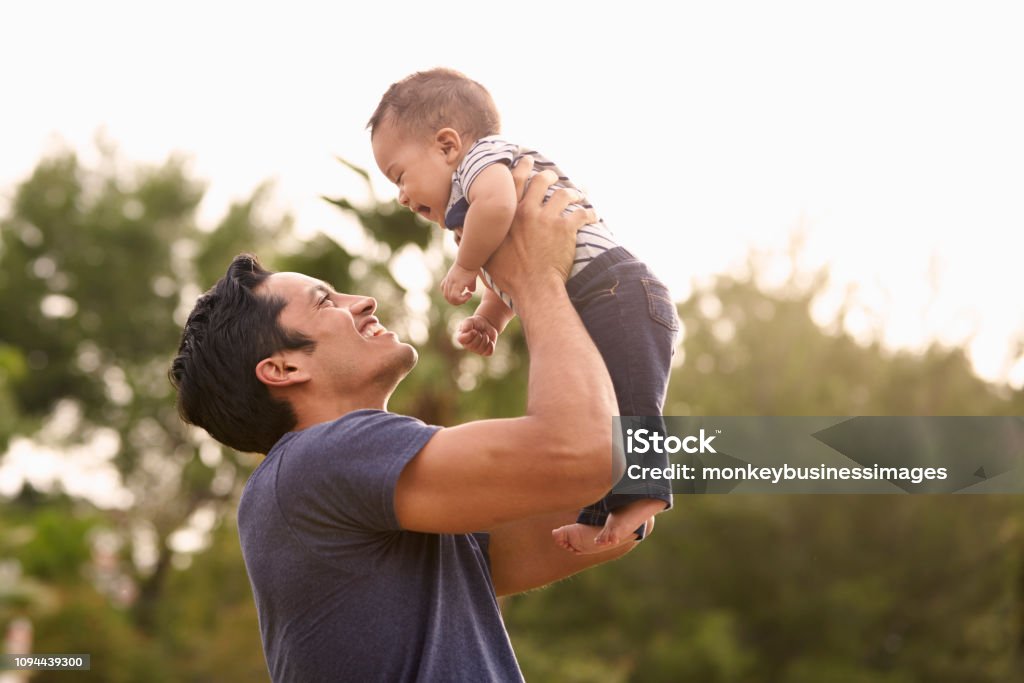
[578, 538]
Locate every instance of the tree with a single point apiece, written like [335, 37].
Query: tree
[97, 266]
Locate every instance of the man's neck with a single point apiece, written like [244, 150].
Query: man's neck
[315, 413]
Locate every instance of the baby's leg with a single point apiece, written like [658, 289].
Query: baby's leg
[632, 320]
[629, 520]
[585, 539]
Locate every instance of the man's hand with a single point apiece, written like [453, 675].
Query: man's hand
[478, 335]
[458, 285]
[541, 241]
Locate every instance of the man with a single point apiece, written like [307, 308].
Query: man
[359, 527]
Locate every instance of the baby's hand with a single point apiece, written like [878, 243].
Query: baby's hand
[478, 335]
[455, 284]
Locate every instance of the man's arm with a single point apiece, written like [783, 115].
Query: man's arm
[487, 473]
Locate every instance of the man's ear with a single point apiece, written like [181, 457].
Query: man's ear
[279, 371]
[450, 143]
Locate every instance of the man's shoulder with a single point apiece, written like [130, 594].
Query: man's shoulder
[341, 473]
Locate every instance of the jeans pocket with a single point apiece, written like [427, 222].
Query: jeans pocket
[659, 304]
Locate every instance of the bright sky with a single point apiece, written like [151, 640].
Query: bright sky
[889, 131]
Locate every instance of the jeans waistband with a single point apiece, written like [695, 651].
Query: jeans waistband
[596, 267]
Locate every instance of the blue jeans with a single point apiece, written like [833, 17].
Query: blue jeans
[631, 318]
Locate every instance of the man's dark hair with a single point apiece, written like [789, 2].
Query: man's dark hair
[230, 330]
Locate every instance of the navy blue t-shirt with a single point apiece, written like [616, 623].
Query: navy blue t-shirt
[342, 592]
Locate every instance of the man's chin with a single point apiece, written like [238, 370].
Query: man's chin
[402, 363]
[413, 357]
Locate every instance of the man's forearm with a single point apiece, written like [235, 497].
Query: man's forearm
[563, 359]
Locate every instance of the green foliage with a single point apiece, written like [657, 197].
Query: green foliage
[753, 352]
[96, 263]
[207, 621]
[87, 623]
[13, 368]
[797, 588]
[59, 546]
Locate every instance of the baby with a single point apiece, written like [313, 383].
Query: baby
[435, 135]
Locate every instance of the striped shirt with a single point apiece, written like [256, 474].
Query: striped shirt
[592, 240]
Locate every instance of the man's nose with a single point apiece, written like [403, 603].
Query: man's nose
[363, 305]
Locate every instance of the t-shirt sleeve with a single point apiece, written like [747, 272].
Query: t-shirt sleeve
[342, 474]
[485, 152]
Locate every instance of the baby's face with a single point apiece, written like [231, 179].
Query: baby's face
[418, 166]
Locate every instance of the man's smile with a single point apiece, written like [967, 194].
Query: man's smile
[371, 328]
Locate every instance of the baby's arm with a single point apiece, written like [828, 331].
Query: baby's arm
[492, 205]
[494, 310]
[479, 332]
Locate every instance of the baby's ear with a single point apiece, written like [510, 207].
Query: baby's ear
[450, 143]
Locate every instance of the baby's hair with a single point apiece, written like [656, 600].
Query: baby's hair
[428, 101]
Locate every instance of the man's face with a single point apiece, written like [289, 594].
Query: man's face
[354, 352]
[419, 166]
